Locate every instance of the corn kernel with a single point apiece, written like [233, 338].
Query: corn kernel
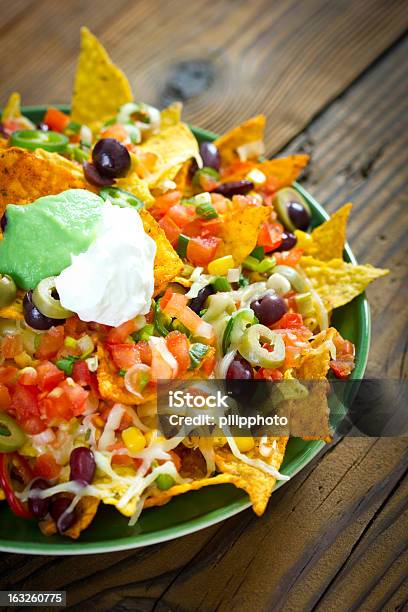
[245, 443]
[133, 439]
[23, 360]
[220, 266]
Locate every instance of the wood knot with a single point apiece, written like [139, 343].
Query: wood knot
[187, 79]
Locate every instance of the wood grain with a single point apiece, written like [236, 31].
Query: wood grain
[227, 60]
[335, 536]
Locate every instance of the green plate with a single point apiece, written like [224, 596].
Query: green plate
[195, 510]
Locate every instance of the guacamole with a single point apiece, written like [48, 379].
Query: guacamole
[41, 237]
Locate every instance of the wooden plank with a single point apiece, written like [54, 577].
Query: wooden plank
[227, 60]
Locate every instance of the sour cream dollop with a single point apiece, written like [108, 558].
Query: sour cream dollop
[113, 280]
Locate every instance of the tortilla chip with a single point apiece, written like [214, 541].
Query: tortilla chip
[314, 364]
[336, 281]
[181, 177]
[327, 241]
[240, 229]
[15, 310]
[12, 112]
[171, 115]
[172, 146]
[100, 87]
[28, 175]
[167, 263]
[85, 511]
[136, 185]
[111, 385]
[284, 169]
[309, 416]
[258, 484]
[251, 130]
[162, 497]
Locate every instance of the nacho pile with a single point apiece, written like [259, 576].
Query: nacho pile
[203, 256]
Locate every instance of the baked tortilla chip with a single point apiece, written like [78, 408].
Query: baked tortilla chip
[12, 112]
[167, 263]
[15, 310]
[171, 115]
[100, 87]
[111, 385]
[251, 131]
[258, 484]
[85, 511]
[336, 281]
[284, 169]
[181, 178]
[240, 229]
[309, 416]
[172, 146]
[162, 497]
[327, 241]
[28, 175]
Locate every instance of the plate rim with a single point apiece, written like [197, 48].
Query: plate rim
[213, 517]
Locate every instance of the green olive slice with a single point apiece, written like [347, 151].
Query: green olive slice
[252, 350]
[282, 199]
[44, 298]
[8, 290]
[12, 437]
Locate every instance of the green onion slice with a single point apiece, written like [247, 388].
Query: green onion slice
[37, 139]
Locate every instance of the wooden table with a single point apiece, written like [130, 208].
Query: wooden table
[331, 76]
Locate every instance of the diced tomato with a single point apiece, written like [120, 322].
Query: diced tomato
[81, 373]
[161, 369]
[56, 120]
[341, 369]
[46, 466]
[50, 343]
[5, 398]
[200, 251]
[116, 131]
[177, 307]
[124, 355]
[66, 400]
[268, 374]
[28, 377]
[11, 346]
[343, 365]
[74, 326]
[181, 215]
[289, 258]
[165, 299]
[76, 395]
[118, 335]
[8, 375]
[289, 320]
[145, 352]
[219, 202]
[211, 227]
[178, 345]
[164, 202]
[49, 376]
[208, 363]
[171, 230]
[270, 236]
[194, 228]
[24, 402]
